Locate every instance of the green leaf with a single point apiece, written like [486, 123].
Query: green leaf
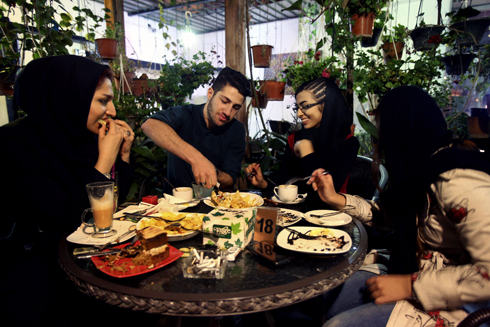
[218, 214]
[228, 244]
[235, 228]
[298, 5]
[367, 125]
[238, 242]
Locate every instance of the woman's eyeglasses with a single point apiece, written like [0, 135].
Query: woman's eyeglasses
[297, 107]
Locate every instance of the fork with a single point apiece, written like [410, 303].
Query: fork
[295, 179]
[302, 235]
[132, 215]
[329, 214]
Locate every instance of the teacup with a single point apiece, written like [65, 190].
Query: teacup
[201, 192]
[101, 197]
[184, 193]
[287, 193]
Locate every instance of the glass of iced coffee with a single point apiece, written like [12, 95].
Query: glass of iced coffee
[101, 197]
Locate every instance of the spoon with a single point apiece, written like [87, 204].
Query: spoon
[193, 230]
[295, 179]
[131, 229]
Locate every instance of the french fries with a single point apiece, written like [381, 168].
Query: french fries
[232, 200]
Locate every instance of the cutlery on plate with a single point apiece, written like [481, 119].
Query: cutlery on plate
[196, 200]
[97, 254]
[131, 229]
[295, 179]
[301, 235]
[328, 214]
[191, 230]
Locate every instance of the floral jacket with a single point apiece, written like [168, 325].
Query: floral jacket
[454, 230]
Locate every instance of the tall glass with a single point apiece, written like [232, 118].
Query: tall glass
[101, 197]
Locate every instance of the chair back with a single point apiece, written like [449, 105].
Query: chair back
[361, 181]
[153, 183]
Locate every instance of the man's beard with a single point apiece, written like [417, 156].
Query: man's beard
[212, 124]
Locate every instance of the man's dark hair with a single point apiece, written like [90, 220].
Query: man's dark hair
[233, 78]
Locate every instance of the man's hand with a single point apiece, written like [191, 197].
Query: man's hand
[205, 173]
[390, 288]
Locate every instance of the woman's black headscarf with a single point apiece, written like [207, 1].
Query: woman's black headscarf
[411, 130]
[336, 119]
[56, 93]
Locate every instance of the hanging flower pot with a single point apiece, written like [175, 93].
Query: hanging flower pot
[279, 127]
[7, 80]
[275, 90]
[262, 98]
[470, 31]
[368, 42]
[127, 84]
[262, 55]
[457, 64]
[107, 48]
[392, 51]
[426, 38]
[364, 24]
[140, 86]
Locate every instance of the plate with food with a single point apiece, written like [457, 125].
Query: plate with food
[328, 217]
[286, 217]
[151, 252]
[329, 240]
[172, 224]
[234, 200]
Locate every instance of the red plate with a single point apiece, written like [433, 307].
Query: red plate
[137, 270]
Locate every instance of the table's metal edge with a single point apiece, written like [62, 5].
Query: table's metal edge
[210, 304]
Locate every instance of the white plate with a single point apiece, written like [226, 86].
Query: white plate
[300, 199]
[293, 214]
[336, 220]
[258, 200]
[317, 246]
[80, 237]
[173, 238]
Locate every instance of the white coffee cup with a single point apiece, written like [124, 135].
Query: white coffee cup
[286, 193]
[184, 193]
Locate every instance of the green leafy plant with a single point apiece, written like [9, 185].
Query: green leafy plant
[365, 6]
[311, 67]
[399, 33]
[180, 77]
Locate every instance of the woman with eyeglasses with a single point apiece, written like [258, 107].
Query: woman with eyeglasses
[325, 140]
[437, 198]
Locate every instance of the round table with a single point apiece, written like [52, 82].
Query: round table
[251, 283]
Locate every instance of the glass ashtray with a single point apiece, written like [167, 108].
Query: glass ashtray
[205, 263]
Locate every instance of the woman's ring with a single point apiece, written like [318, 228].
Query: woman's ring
[128, 133]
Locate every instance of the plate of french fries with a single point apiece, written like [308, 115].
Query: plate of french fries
[174, 233]
[235, 200]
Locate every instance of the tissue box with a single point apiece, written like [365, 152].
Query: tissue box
[231, 227]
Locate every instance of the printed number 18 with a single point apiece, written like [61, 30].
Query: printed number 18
[268, 228]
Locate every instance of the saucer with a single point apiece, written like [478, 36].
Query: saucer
[300, 199]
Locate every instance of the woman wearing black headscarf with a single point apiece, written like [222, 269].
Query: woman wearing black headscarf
[324, 141]
[48, 158]
[438, 199]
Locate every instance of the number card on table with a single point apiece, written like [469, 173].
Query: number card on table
[265, 225]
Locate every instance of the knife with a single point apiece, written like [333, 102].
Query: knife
[96, 254]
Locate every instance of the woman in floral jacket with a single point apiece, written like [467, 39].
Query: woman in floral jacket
[439, 201]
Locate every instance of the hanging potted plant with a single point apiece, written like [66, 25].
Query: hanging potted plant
[379, 22]
[124, 71]
[394, 43]
[313, 66]
[262, 55]
[107, 45]
[363, 14]
[426, 37]
[467, 32]
[259, 97]
[458, 63]
[275, 90]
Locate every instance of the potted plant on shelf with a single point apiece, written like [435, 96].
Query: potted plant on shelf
[379, 23]
[394, 43]
[262, 55]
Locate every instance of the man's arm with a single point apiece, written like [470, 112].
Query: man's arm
[225, 180]
[165, 137]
